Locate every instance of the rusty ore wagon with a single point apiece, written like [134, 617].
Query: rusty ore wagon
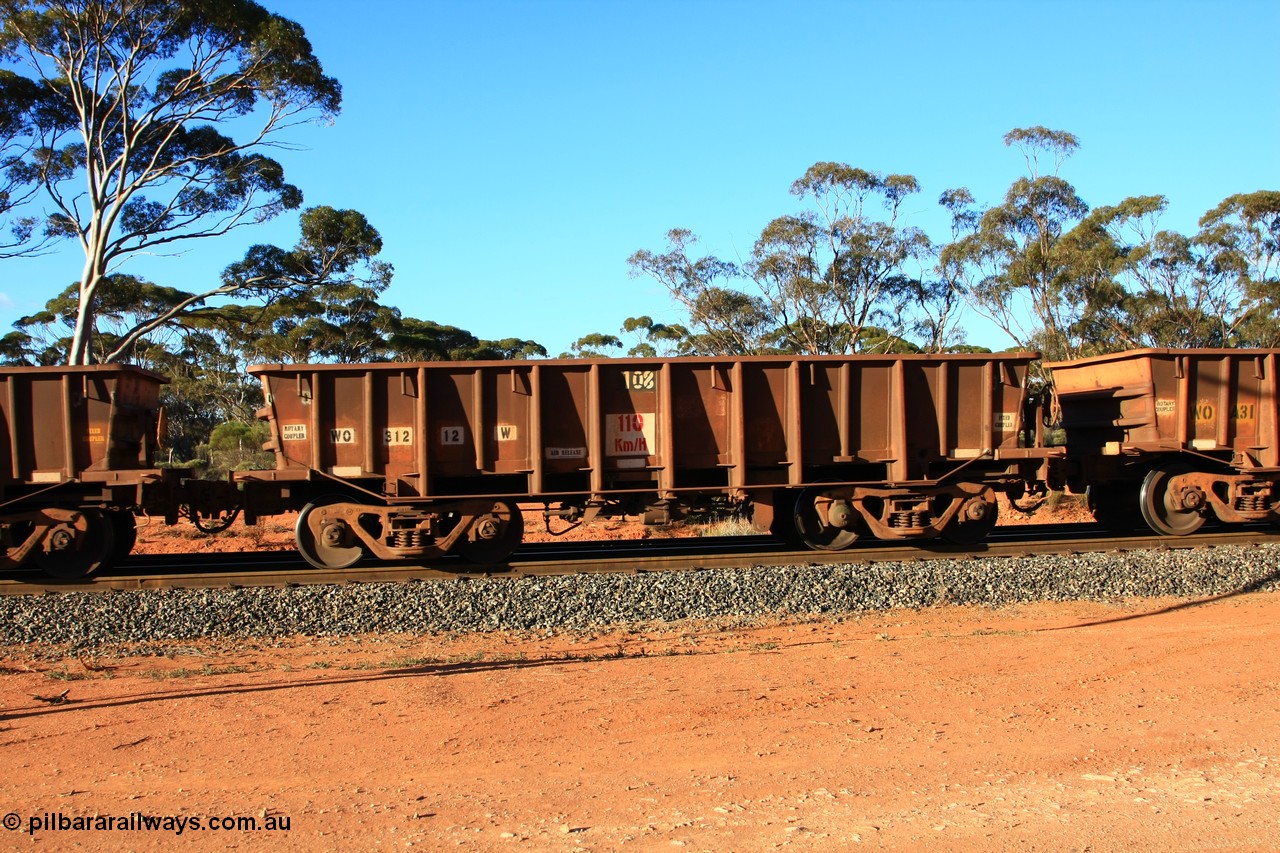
[76, 451]
[1173, 436]
[417, 460]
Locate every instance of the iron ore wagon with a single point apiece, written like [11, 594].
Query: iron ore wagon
[416, 460]
[76, 451]
[1173, 437]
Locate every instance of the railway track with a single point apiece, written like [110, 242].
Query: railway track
[286, 568]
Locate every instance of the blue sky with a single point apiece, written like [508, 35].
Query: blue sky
[513, 154]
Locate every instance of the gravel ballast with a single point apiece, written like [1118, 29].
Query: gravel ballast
[94, 620]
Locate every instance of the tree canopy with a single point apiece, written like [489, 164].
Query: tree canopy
[848, 273]
[843, 274]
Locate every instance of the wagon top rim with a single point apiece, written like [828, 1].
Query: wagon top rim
[1124, 355]
[652, 362]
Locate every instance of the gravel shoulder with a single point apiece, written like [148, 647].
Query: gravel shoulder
[121, 621]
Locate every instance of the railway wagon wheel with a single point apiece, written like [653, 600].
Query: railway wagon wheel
[824, 523]
[973, 523]
[494, 536]
[324, 536]
[77, 548]
[1166, 512]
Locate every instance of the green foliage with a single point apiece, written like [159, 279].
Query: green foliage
[1015, 264]
[1240, 244]
[423, 340]
[237, 446]
[591, 346]
[722, 320]
[235, 435]
[846, 274]
[836, 269]
[1038, 141]
[653, 339]
[819, 278]
[18, 234]
[15, 349]
[650, 340]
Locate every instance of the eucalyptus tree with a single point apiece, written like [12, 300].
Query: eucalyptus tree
[127, 139]
[324, 283]
[319, 300]
[15, 349]
[593, 345]
[653, 339]
[424, 340]
[1014, 265]
[1142, 283]
[1239, 242]
[649, 340]
[18, 234]
[835, 269]
[342, 324]
[123, 301]
[1147, 286]
[936, 296]
[505, 349]
[723, 319]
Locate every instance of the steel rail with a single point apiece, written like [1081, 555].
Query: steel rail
[286, 568]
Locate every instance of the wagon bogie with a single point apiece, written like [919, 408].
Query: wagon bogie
[1171, 501]
[63, 543]
[825, 519]
[1176, 498]
[831, 518]
[970, 518]
[337, 531]
[491, 533]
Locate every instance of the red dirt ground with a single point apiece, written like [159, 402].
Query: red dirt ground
[1147, 725]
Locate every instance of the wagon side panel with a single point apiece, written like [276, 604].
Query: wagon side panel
[397, 434]
[68, 423]
[1210, 401]
[705, 429]
[634, 422]
[770, 444]
[567, 448]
